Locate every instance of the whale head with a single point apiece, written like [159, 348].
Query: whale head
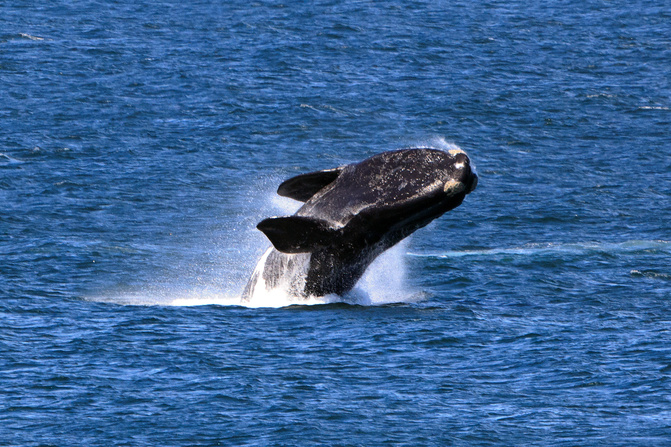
[392, 193]
[463, 177]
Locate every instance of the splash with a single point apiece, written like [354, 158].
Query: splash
[437, 143]
[385, 282]
[289, 272]
[167, 297]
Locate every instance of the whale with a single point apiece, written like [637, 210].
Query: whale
[353, 213]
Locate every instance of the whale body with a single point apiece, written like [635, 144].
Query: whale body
[352, 214]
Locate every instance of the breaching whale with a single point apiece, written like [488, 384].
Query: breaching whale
[352, 214]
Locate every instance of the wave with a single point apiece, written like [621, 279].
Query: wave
[6, 159]
[628, 247]
[384, 283]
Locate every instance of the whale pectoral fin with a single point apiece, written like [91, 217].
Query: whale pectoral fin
[296, 234]
[304, 186]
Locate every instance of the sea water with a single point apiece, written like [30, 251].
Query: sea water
[141, 142]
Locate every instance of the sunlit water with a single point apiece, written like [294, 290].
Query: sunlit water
[141, 143]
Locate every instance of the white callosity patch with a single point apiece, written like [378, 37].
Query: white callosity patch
[453, 187]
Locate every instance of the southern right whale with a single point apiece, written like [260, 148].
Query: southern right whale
[352, 214]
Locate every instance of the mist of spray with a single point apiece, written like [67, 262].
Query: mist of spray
[384, 282]
[237, 251]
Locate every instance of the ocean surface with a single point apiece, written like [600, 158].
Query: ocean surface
[141, 142]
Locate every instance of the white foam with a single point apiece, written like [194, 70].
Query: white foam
[383, 283]
[554, 248]
[28, 36]
[4, 158]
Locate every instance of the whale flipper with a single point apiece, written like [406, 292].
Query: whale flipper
[304, 186]
[297, 234]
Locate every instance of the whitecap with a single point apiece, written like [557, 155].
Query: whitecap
[633, 246]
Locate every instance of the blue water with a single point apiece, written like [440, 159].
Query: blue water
[141, 142]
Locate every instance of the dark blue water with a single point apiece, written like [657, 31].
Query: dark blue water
[141, 142]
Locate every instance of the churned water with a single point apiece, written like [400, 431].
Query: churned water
[141, 142]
